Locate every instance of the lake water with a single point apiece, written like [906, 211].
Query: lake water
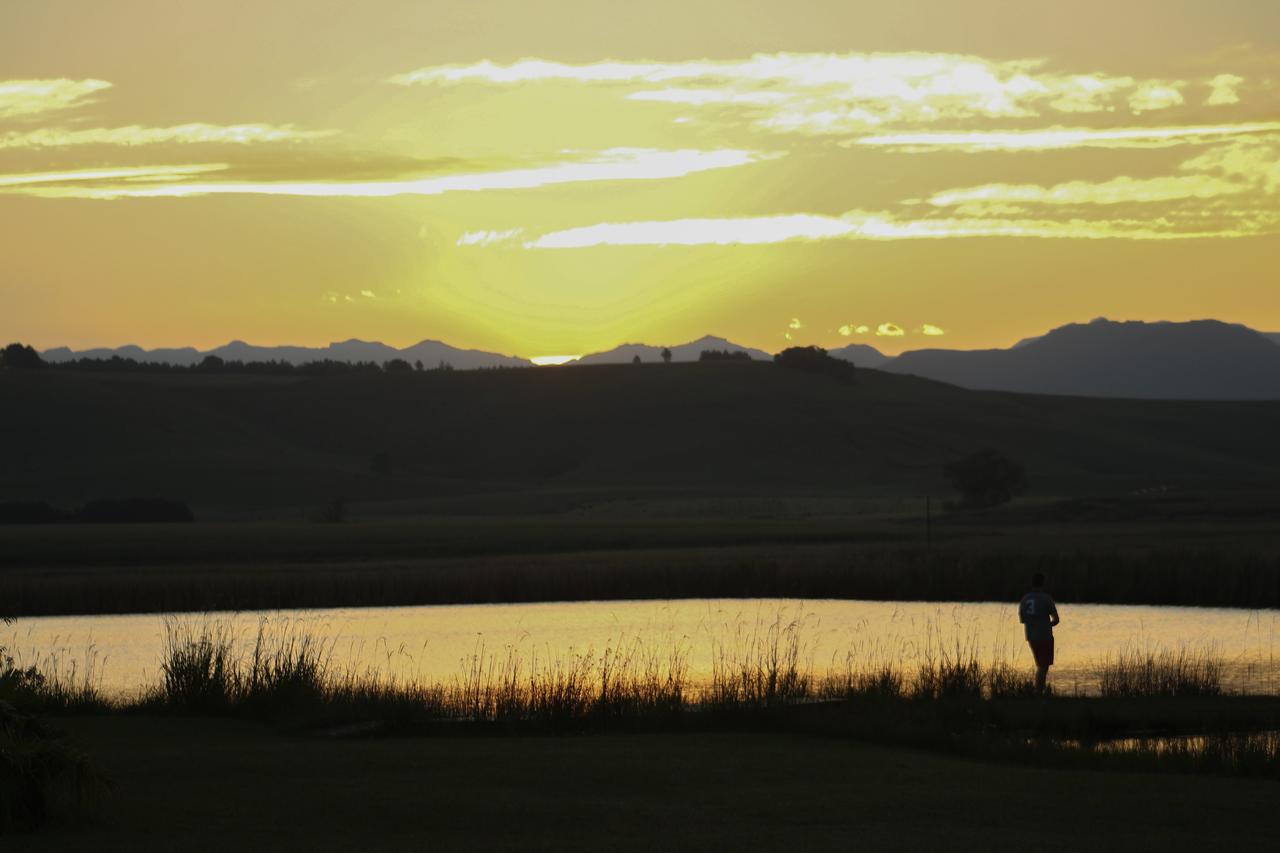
[435, 643]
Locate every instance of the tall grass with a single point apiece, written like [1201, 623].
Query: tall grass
[1135, 672]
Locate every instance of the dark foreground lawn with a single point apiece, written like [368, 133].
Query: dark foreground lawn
[193, 785]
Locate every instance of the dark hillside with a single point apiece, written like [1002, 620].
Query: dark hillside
[238, 441]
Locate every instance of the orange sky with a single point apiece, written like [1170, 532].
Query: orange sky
[563, 177]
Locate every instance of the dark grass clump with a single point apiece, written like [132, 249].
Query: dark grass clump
[1164, 673]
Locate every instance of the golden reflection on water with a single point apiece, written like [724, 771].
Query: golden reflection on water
[436, 643]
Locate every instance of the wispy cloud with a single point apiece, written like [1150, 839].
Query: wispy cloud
[115, 173]
[1064, 137]
[1122, 190]
[847, 93]
[21, 98]
[889, 330]
[619, 164]
[863, 225]
[184, 134]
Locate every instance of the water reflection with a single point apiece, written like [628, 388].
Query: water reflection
[435, 643]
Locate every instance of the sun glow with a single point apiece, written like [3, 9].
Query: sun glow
[552, 360]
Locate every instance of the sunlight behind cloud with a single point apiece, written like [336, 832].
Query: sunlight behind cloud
[552, 360]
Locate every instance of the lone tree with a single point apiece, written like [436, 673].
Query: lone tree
[987, 478]
[635, 359]
[666, 356]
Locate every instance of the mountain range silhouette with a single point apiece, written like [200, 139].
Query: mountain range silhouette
[1197, 360]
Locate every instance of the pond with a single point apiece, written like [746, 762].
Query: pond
[436, 643]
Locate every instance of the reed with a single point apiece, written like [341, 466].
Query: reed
[1182, 672]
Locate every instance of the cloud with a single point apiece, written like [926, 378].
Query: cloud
[1155, 96]
[618, 164]
[1122, 190]
[850, 329]
[1223, 90]
[368, 294]
[931, 330]
[835, 93]
[21, 98]
[1064, 137]
[159, 173]
[1241, 168]
[863, 225]
[1256, 163]
[889, 330]
[795, 324]
[487, 238]
[185, 134]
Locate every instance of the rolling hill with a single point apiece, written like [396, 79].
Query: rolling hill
[224, 440]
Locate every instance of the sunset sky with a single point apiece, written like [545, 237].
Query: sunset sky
[562, 177]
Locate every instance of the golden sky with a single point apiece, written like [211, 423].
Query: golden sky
[562, 177]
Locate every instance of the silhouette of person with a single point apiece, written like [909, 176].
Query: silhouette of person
[1039, 614]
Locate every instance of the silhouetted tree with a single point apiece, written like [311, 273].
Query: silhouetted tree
[635, 359]
[987, 478]
[397, 365]
[723, 355]
[211, 364]
[417, 365]
[666, 356]
[814, 360]
[444, 365]
[18, 357]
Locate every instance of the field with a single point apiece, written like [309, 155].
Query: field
[220, 785]
[701, 480]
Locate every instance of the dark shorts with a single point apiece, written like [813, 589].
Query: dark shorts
[1043, 651]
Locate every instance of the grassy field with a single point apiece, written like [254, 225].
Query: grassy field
[199, 785]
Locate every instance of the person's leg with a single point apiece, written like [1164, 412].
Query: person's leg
[1042, 675]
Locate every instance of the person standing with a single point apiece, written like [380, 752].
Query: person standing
[1038, 614]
